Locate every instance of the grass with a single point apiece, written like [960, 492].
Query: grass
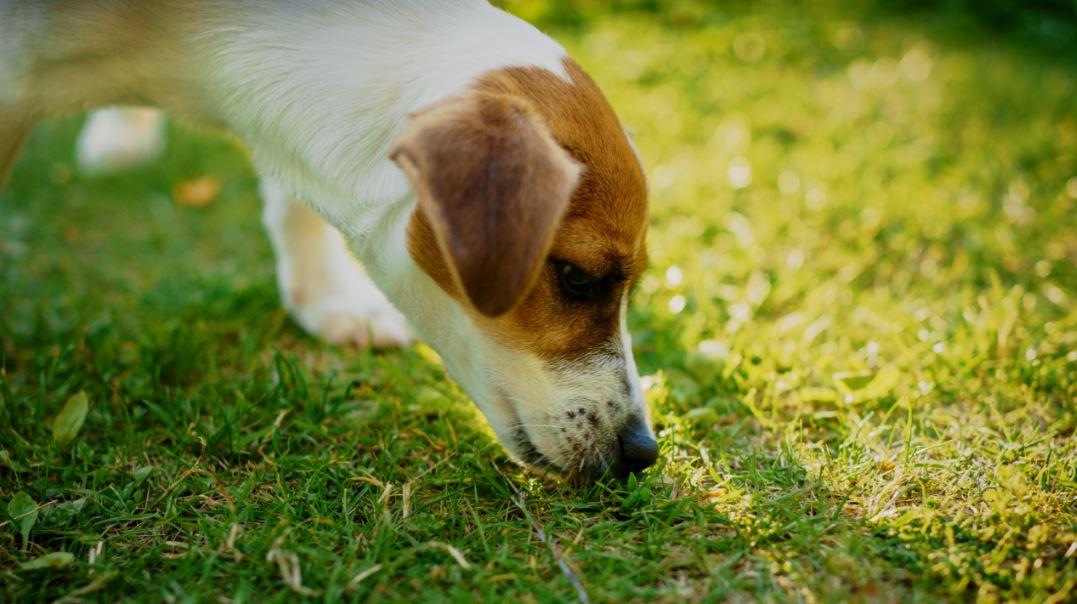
[858, 333]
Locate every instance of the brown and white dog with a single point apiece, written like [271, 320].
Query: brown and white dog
[473, 167]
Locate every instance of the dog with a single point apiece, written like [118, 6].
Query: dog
[475, 170]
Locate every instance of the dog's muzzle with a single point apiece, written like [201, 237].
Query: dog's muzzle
[637, 449]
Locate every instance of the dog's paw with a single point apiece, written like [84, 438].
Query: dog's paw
[114, 139]
[377, 326]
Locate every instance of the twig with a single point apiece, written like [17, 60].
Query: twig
[550, 541]
[37, 508]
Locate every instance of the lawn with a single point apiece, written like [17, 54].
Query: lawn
[858, 335]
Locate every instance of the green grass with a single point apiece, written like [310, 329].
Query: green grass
[859, 333]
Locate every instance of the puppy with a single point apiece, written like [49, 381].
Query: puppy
[477, 172]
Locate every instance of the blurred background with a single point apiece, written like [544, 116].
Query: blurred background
[861, 297]
[933, 142]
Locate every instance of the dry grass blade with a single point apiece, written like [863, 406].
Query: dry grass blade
[229, 544]
[455, 553]
[96, 585]
[357, 579]
[95, 552]
[385, 493]
[288, 565]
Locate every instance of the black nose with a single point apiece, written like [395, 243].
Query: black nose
[638, 448]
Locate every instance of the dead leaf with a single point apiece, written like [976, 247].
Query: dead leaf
[196, 193]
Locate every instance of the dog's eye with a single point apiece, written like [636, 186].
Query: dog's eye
[577, 283]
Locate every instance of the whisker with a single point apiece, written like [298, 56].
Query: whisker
[526, 425]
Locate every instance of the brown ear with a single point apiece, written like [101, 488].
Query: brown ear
[494, 185]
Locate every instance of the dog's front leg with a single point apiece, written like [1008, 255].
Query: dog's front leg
[321, 283]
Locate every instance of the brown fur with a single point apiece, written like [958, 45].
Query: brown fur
[13, 136]
[493, 187]
[603, 230]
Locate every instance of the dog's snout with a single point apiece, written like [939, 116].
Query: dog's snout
[638, 449]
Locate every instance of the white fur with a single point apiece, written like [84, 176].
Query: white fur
[586, 402]
[319, 90]
[321, 283]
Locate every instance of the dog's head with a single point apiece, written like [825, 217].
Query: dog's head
[532, 218]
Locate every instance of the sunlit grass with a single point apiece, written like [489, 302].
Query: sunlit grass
[858, 333]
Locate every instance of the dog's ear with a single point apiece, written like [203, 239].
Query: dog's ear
[493, 186]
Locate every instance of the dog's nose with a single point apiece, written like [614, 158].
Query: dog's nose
[638, 448]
